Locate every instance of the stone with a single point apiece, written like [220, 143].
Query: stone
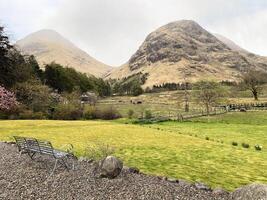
[134, 170]
[173, 180]
[82, 159]
[219, 192]
[202, 186]
[110, 167]
[183, 183]
[250, 192]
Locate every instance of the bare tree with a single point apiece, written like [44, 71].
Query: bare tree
[208, 93]
[254, 80]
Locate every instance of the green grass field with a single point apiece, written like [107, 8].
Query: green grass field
[167, 149]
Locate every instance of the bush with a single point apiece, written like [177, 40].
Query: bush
[245, 145]
[29, 114]
[258, 147]
[108, 114]
[234, 143]
[67, 112]
[207, 138]
[148, 114]
[98, 151]
[90, 113]
[130, 113]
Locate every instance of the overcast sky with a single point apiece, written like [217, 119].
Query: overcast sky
[112, 30]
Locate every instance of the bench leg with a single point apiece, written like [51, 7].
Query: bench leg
[54, 168]
[63, 163]
[31, 155]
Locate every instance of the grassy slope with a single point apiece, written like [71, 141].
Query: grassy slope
[154, 151]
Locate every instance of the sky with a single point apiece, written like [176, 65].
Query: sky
[112, 30]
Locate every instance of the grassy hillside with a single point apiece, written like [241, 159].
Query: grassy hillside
[164, 151]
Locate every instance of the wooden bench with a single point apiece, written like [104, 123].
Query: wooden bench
[32, 146]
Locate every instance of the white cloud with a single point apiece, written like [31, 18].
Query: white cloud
[112, 30]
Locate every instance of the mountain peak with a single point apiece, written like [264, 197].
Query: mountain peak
[48, 45]
[183, 49]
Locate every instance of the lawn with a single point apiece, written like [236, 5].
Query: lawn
[161, 152]
[249, 127]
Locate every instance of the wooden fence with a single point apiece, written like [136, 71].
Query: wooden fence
[247, 106]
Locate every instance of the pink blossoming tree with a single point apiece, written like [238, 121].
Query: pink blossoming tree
[7, 100]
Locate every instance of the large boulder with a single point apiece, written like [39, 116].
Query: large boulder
[250, 192]
[110, 167]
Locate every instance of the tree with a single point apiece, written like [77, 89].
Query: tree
[253, 80]
[208, 93]
[56, 77]
[5, 46]
[7, 100]
[33, 64]
[136, 89]
[68, 79]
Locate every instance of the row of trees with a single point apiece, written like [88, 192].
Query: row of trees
[130, 85]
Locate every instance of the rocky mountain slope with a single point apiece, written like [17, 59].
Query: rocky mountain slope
[232, 45]
[260, 61]
[184, 50]
[48, 46]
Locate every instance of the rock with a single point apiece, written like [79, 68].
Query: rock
[12, 143]
[250, 192]
[202, 186]
[219, 192]
[183, 183]
[134, 170]
[173, 180]
[82, 159]
[110, 167]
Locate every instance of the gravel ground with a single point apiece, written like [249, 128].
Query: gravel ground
[20, 178]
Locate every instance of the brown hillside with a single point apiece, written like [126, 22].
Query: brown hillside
[183, 49]
[49, 46]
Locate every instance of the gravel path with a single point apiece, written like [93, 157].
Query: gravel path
[20, 178]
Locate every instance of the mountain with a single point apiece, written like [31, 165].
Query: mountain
[230, 43]
[48, 46]
[184, 50]
[260, 61]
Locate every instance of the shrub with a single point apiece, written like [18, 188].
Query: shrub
[98, 150]
[245, 145]
[29, 114]
[67, 112]
[148, 114]
[34, 95]
[258, 147]
[90, 113]
[108, 114]
[130, 113]
[7, 100]
[234, 143]
[207, 138]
